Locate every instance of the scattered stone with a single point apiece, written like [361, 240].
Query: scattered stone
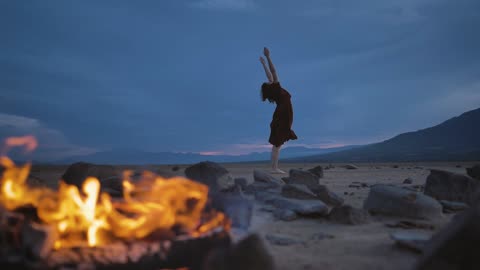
[395, 166]
[455, 246]
[407, 224]
[391, 200]
[350, 167]
[175, 168]
[302, 207]
[326, 196]
[262, 176]
[215, 176]
[474, 171]
[449, 207]
[347, 214]
[298, 191]
[280, 240]
[321, 236]
[414, 241]
[302, 177]
[285, 214]
[236, 207]
[408, 181]
[443, 185]
[261, 186]
[318, 171]
[345, 193]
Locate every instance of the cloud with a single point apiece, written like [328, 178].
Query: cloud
[239, 5]
[53, 145]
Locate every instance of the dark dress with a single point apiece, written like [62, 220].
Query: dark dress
[281, 125]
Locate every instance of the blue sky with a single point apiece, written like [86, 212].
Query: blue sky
[171, 75]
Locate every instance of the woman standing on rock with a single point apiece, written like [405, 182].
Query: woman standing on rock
[281, 125]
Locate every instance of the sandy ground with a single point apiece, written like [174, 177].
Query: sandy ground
[363, 247]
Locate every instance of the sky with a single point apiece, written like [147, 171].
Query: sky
[184, 76]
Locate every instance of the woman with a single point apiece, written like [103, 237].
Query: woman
[281, 125]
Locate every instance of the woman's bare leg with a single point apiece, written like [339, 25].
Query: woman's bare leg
[275, 157]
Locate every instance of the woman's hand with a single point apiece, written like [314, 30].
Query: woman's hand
[266, 52]
[262, 60]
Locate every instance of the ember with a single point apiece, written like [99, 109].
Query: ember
[88, 217]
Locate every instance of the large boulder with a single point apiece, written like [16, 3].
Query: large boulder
[474, 172]
[297, 191]
[302, 207]
[326, 196]
[109, 177]
[216, 177]
[235, 206]
[455, 246]
[443, 185]
[302, 177]
[395, 201]
[347, 214]
[263, 176]
[318, 171]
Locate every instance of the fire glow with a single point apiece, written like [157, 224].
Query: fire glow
[93, 218]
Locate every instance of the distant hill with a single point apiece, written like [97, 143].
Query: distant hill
[457, 139]
[132, 156]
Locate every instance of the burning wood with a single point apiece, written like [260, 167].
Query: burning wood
[156, 221]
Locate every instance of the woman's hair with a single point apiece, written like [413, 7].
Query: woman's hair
[269, 92]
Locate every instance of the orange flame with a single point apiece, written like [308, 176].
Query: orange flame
[92, 217]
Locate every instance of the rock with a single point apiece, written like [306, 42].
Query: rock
[242, 182]
[216, 177]
[38, 240]
[175, 168]
[76, 174]
[458, 166]
[261, 186]
[414, 241]
[302, 177]
[262, 176]
[455, 246]
[449, 207]
[390, 200]
[280, 240]
[326, 196]
[318, 171]
[347, 214]
[407, 224]
[268, 208]
[249, 253]
[395, 166]
[345, 193]
[408, 181]
[236, 207]
[474, 171]
[284, 214]
[443, 185]
[350, 167]
[302, 207]
[298, 191]
[266, 197]
[321, 236]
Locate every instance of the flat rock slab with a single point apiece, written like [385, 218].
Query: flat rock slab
[212, 174]
[302, 177]
[318, 171]
[414, 241]
[347, 214]
[443, 185]
[449, 207]
[263, 176]
[302, 207]
[395, 201]
[325, 195]
[285, 214]
[350, 167]
[407, 224]
[262, 186]
[298, 191]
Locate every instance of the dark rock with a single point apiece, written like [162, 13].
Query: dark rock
[364, 185]
[302, 177]
[443, 185]
[268, 208]
[284, 214]
[250, 253]
[390, 200]
[352, 193]
[318, 171]
[76, 174]
[298, 191]
[266, 197]
[302, 207]
[455, 246]
[262, 176]
[321, 236]
[354, 186]
[280, 240]
[474, 171]
[449, 207]
[350, 167]
[414, 241]
[236, 207]
[326, 196]
[345, 193]
[261, 186]
[408, 224]
[241, 182]
[175, 168]
[395, 166]
[458, 166]
[408, 181]
[347, 214]
[216, 177]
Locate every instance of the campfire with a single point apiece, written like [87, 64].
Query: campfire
[158, 223]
